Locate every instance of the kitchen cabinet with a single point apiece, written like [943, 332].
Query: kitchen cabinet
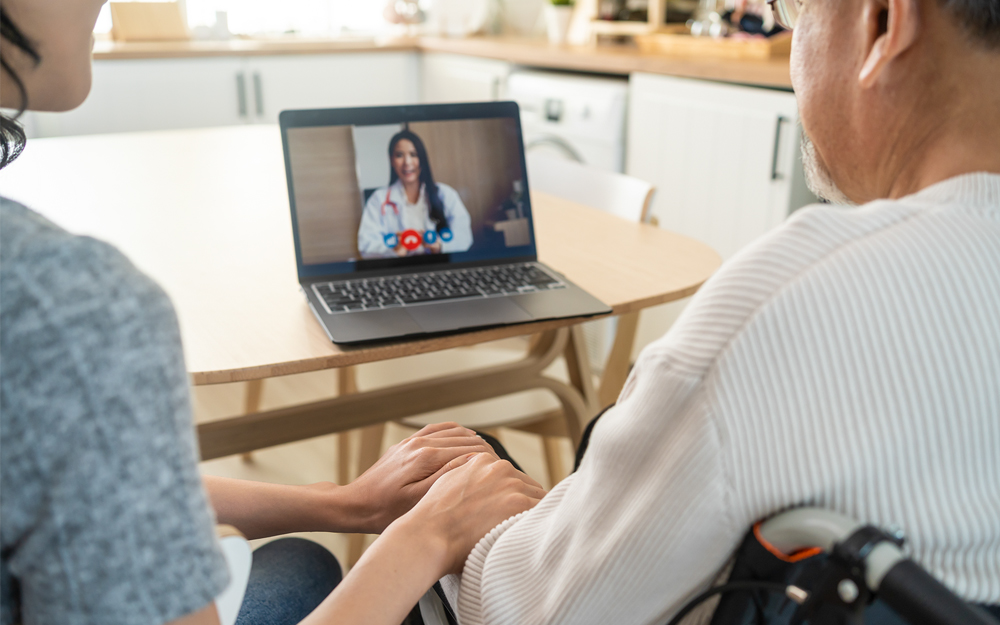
[456, 78]
[151, 94]
[276, 83]
[160, 94]
[725, 159]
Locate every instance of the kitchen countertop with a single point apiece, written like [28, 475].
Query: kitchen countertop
[116, 50]
[604, 59]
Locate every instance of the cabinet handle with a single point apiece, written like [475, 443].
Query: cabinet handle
[241, 93]
[777, 146]
[258, 94]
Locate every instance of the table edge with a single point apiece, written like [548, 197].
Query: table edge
[421, 346]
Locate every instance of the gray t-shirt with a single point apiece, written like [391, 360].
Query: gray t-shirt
[104, 517]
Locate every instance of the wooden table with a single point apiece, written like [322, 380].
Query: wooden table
[205, 213]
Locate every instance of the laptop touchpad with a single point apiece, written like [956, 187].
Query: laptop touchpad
[454, 315]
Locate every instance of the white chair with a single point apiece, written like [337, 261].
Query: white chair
[618, 194]
[239, 558]
[625, 196]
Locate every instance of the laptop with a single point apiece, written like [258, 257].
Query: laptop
[416, 220]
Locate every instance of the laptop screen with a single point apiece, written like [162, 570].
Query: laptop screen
[403, 186]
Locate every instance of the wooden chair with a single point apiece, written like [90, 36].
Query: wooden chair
[347, 383]
[627, 197]
[371, 443]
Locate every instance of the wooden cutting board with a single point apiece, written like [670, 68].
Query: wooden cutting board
[148, 21]
[683, 44]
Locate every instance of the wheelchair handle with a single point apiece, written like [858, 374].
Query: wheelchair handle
[901, 583]
[919, 598]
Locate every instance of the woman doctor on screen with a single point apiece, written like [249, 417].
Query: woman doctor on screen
[413, 215]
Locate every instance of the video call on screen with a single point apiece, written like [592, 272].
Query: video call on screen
[408, 190]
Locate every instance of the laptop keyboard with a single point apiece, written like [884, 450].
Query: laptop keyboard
[420, 288]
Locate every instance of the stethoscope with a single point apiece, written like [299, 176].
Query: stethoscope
[388, 202]
[391, 239]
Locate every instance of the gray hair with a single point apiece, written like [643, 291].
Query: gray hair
[981, 18]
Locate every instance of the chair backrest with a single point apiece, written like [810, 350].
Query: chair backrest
[611, 192]
[239, 557]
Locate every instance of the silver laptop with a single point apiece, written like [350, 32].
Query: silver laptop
[416, 220]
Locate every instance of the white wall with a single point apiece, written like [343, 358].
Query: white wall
[371, 148]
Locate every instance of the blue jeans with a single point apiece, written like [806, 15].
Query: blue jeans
[288, 579]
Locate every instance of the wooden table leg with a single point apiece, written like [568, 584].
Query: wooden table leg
[371, 447]
[251, 404]
[616, 370]
[370, 452]
[343, 458]
[581, 378]
[553, 459]
[347, 383]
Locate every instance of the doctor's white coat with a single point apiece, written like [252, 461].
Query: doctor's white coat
[380, 218]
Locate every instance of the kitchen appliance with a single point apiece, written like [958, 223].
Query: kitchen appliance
[577, 117]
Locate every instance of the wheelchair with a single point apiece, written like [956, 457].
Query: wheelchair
[816, 567]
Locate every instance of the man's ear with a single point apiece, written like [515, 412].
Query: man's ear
[893, 27]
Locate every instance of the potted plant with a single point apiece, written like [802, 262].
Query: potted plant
[557, 18]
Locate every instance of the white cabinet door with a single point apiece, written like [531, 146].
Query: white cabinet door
[454, 78]
[276, 83]
[724, 159]
[152, 94]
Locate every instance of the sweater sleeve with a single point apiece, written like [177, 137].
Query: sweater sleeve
[649, 518]
[632, 534]
[105, 520]
[658, 505]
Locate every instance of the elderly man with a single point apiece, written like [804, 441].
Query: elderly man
[850, 359]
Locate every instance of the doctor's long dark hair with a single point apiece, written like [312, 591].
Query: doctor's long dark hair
[11, 133]
[433, 195]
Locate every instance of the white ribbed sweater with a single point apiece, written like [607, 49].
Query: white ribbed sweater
[850, 360]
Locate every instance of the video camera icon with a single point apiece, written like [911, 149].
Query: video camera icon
[410, 239]
[446, 235]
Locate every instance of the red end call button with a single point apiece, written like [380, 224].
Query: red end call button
[411, 239]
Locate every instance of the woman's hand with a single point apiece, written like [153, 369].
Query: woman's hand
[432, 539]
[433, 248]
[478, 493]
[404, 474]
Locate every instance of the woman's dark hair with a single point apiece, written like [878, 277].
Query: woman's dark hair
[11, 133]
[981, 18]
[433, 195]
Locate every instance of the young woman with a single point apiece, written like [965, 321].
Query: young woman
[414, 214]
[105, 517]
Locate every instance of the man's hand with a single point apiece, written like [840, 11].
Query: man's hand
[478, 493]
[403, 475]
